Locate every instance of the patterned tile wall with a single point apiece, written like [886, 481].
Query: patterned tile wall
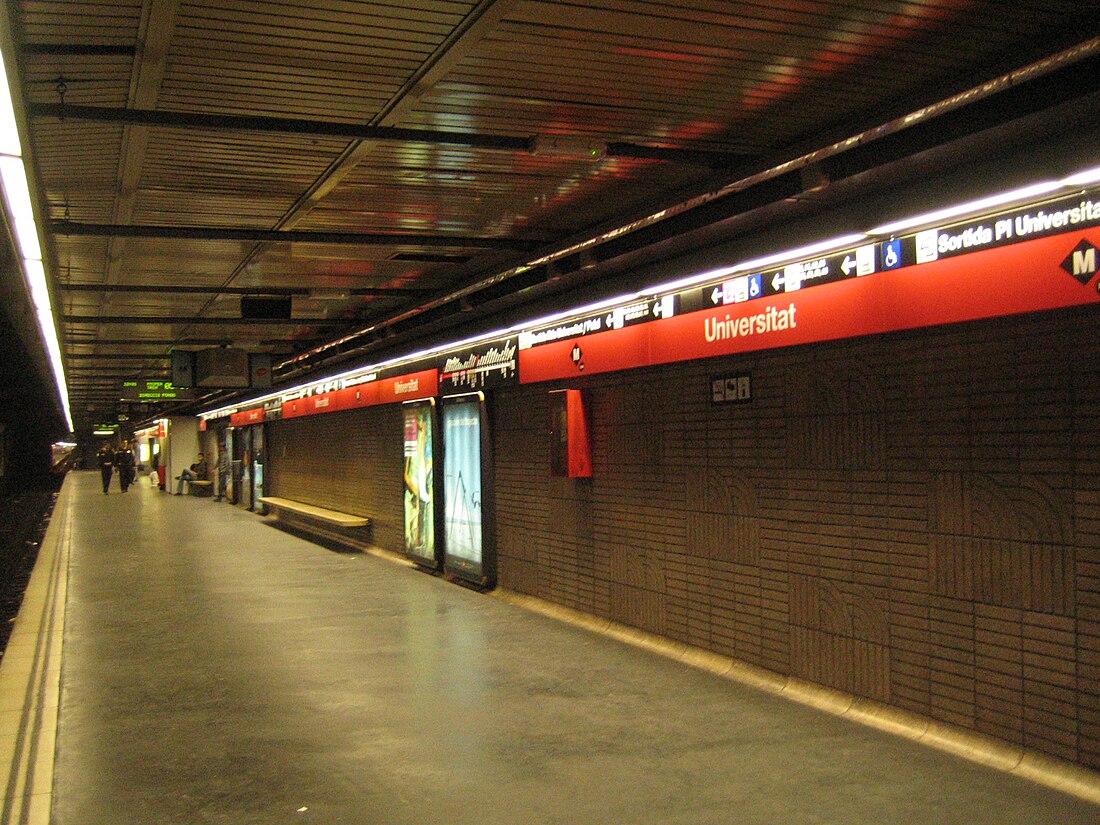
[913, 518]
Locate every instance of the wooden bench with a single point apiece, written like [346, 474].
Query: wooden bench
[344, 528]
[201, 488]
[333, 517]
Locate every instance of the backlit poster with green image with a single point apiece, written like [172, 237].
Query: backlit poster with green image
[419, 479]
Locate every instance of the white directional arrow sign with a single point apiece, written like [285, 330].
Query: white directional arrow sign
[664, 307]
[847, 264]
[716, 296]
[777, 281]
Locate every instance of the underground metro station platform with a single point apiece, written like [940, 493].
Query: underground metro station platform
[182, 661]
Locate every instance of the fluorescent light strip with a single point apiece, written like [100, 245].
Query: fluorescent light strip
[17, 196]
[758, 263]
[36, 284]
[1083, 178]
[1078, 179]
[972, 207]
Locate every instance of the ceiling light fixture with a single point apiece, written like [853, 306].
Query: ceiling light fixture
[1078, 179]
[20, 207]
[969, 208]
[567, 147]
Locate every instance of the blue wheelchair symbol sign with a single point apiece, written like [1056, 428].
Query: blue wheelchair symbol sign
[756, 286]
[891, 254]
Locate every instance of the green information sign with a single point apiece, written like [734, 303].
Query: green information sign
[147, 391]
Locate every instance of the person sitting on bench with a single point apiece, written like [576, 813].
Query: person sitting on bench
[197, 472]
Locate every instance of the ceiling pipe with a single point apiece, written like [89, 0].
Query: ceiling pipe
[79, 340]
[278, 125]
[218, 233]
[118, 356]
[189, 319]
[377, 292]
[77, 50]
[548, 146]
[1034, 71]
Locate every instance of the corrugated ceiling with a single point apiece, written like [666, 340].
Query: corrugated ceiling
[747, 81]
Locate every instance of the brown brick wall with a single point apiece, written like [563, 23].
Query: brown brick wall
[913, 517]
[348, 461]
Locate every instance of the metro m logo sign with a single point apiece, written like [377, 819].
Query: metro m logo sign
[1081, 262]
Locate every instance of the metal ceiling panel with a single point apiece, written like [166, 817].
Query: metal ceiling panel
[334, 60]
[746, 82]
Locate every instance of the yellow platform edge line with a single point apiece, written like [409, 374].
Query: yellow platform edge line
[32, 674]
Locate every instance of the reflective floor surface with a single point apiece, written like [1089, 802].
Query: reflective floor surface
[219, 670]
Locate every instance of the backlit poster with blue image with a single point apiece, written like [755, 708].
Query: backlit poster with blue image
[462, 484]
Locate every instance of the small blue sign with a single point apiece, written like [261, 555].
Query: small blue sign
[891, 254]
[756, 286]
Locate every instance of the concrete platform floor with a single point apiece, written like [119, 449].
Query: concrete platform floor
[218, 670]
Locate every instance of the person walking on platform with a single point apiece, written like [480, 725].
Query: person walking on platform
[125, 461]
[105, 458]
[197, 472]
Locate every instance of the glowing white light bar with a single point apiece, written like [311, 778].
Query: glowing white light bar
[803, 252]
[13, 174]
[699, 278]
[765, 262]
[17, 196]
[547, 320]
[103, 432]
[9, 130]
[1083, 178]
[36, 284]
[971, 207]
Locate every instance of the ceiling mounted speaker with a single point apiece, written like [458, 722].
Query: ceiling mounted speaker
[222, 367]
[183, 368]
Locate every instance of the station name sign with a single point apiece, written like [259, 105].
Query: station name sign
[1027, 259]
[1031, 258]
[405, 387]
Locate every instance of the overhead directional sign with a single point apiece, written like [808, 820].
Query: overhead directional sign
[922, 247]
[616, 318]
[1043, 256]
[146, 391]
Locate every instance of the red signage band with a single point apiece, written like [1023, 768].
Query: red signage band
[243, 419]
[416, 385]
[1027, 277]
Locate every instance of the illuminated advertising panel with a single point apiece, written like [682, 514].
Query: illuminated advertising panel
[462, 494]
[419, 483]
